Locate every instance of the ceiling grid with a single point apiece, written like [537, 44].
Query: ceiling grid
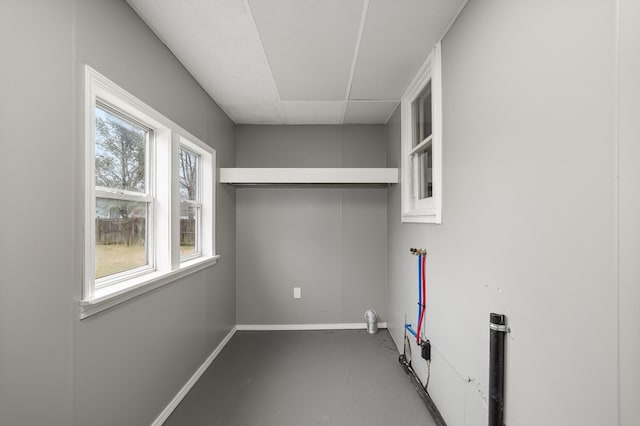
[363, 19]
[301, 61]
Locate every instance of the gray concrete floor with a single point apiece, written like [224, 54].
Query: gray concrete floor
[283, 378]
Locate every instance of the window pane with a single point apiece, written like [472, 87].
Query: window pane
[189, 229]
[425, 177]
[121, 148]
[121, 236]
[189, 165]
[421, 113]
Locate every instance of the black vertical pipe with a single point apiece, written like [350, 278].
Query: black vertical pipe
[497, 331]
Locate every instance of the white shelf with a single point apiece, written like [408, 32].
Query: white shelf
[308, 176]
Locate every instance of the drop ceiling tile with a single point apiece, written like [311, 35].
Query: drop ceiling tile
[369, 112]
[309, 44]
[217, 42]
[266, 112]
[397, 38]
[313, 112]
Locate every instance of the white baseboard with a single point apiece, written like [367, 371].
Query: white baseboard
[280, 327]
[164, 415]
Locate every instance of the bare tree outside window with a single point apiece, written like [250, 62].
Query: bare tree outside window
[120, 153]
[189, 169]
[188, 175]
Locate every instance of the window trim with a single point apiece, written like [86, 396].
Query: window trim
[164, 200]
[422, 210]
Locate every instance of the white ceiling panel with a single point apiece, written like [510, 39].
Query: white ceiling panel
[257, 112]
[216, 40]
[369, 112]
[397, 38]
[314, 112]
[301, 61]
[310, 45]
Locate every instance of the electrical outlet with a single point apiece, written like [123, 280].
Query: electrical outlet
[297, 293]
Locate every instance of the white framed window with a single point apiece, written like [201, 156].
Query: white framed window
[421, 140]
[123, 196]
[143, 174]
[195, 169]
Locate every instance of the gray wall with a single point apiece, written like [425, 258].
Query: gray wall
[36, 178]
[629, 223]
[331, 242]
[124, 365]
[528, 216]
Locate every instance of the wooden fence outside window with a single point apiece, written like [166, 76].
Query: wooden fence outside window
[132, 231]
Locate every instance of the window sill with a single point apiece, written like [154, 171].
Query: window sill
[418, 216]
[111, 296]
